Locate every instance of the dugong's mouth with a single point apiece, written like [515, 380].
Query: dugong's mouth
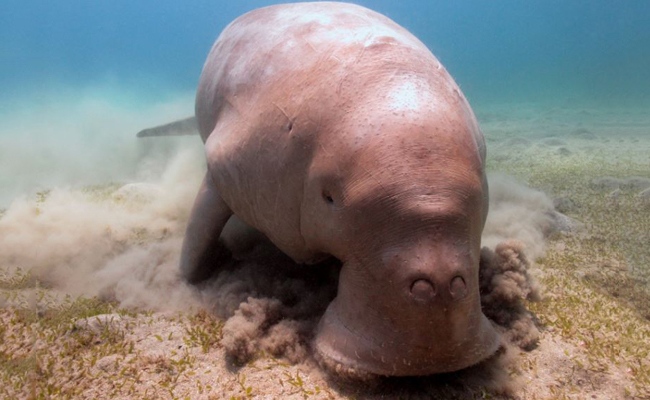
[363, 355]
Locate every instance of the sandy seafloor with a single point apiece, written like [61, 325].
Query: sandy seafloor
[121, 245]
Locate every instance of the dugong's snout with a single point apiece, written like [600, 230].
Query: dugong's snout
[422, 322]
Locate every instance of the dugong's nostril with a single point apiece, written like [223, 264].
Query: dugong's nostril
[423, 290]
[458, 288]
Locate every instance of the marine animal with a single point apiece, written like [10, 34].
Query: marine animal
[335, 132]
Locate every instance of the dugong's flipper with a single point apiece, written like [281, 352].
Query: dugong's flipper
[202, 251]
[181, 127]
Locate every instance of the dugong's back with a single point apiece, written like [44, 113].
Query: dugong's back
[283, 83]
[277, 44]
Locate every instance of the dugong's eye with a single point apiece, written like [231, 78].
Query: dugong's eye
[328, 197]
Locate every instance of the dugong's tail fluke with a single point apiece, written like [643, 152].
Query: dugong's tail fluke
[181, 127]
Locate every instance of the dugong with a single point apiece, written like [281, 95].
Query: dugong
[335, 132]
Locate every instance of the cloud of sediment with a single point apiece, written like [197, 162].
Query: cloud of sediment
[78, 138]
[517, 212]
[115, 207]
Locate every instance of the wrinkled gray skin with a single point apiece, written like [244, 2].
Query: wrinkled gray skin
[335, 132]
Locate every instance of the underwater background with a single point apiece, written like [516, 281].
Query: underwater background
[507, 51]
[561, 89]
[68, 59]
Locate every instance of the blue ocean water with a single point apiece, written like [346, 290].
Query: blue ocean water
[540, 50]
